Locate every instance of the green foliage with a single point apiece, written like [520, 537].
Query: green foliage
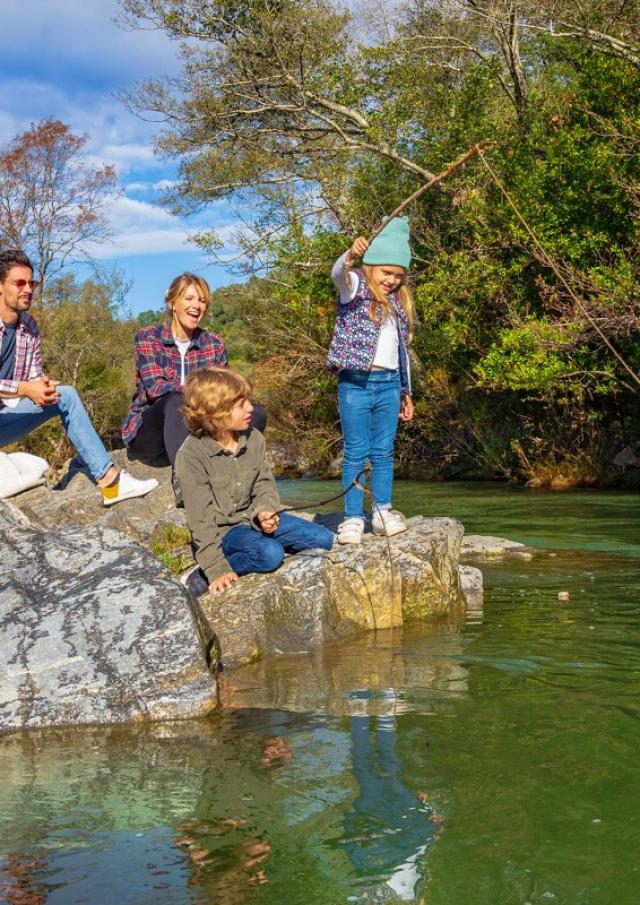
[168, 544]
[527, 357]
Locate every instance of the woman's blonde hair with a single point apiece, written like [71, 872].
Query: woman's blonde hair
[380, 307]
[209, 396]
[178, 289]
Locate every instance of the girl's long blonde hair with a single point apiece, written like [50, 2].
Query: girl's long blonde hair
[380, 307]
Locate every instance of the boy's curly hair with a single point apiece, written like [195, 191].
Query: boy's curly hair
[209, 395]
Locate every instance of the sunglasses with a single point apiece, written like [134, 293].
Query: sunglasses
[20, 284]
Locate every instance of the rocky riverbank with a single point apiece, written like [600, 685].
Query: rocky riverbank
[97, 630]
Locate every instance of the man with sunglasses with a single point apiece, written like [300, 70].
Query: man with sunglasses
[29, 398]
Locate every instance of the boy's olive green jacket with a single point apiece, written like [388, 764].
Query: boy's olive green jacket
[220, 490]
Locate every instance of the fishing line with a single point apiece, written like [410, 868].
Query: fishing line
[331, 499]
[552, 265]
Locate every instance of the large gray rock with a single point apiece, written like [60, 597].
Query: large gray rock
[314, 598]
[320, 596]
[94, 630]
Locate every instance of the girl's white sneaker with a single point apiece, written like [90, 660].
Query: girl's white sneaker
[387, 522]
[350, 531]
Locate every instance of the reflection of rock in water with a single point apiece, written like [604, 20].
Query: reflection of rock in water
[421, 665]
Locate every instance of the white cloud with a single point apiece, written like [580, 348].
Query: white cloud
[164, 184]
[137, 187]
[82, 62]
[142, 228]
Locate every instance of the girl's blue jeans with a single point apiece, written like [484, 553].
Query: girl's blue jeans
[16, 423]
[369, 403]
[247, 550]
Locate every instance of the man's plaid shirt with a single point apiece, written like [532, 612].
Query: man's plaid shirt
[28, 364]
[158, 368]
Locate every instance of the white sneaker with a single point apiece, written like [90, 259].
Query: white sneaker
[388, 522]
[350, 531]
[126, 488]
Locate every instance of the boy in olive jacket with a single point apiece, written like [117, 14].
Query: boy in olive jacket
[229, 494]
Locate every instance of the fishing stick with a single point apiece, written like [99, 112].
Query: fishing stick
[476, 149]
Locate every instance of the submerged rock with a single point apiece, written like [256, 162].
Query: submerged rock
[94, 630]
[484, 546]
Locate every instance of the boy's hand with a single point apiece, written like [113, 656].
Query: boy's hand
[221, 584]
[406, 408]
[268, 521]
[358, 248]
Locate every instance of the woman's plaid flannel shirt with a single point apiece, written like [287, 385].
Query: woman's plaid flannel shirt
[158, 367]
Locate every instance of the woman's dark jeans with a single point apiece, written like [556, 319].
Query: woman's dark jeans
[163, 429]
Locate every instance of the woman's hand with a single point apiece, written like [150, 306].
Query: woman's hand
[268, 521]
[406, 408]
[357, 249]
[221, 584]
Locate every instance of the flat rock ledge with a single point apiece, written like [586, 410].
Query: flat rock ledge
[483, 547]
[319, 596]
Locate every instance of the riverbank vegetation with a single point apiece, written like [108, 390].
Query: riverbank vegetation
[314, 119]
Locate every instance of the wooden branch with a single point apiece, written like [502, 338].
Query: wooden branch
[436, 180]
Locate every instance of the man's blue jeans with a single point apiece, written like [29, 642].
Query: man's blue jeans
[369, 403]
[248, 550]
[18, 422]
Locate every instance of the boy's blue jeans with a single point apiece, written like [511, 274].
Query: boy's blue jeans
[369, 403]
[247, 550]
[18, 422]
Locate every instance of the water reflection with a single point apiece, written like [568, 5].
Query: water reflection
[387, 828]
[417, 670]
[261, 803]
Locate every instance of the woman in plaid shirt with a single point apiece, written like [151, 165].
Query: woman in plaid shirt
[165, 355]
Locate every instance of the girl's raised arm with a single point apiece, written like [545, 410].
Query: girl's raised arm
[346, 281]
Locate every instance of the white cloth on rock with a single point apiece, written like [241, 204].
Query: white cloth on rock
[20, 471]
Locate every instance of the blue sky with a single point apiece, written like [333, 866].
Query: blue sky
[68, 60]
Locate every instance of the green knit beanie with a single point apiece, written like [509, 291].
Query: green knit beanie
[391, 245]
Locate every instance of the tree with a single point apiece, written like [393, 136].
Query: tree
[51, 200]
[275, 101]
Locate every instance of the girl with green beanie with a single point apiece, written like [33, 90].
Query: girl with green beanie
[369, 352]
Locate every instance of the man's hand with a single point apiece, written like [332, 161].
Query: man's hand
[268, 521]
[221, 584]
[406, 408]
[41, 391]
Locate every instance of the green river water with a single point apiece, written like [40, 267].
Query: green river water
[493, 761]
